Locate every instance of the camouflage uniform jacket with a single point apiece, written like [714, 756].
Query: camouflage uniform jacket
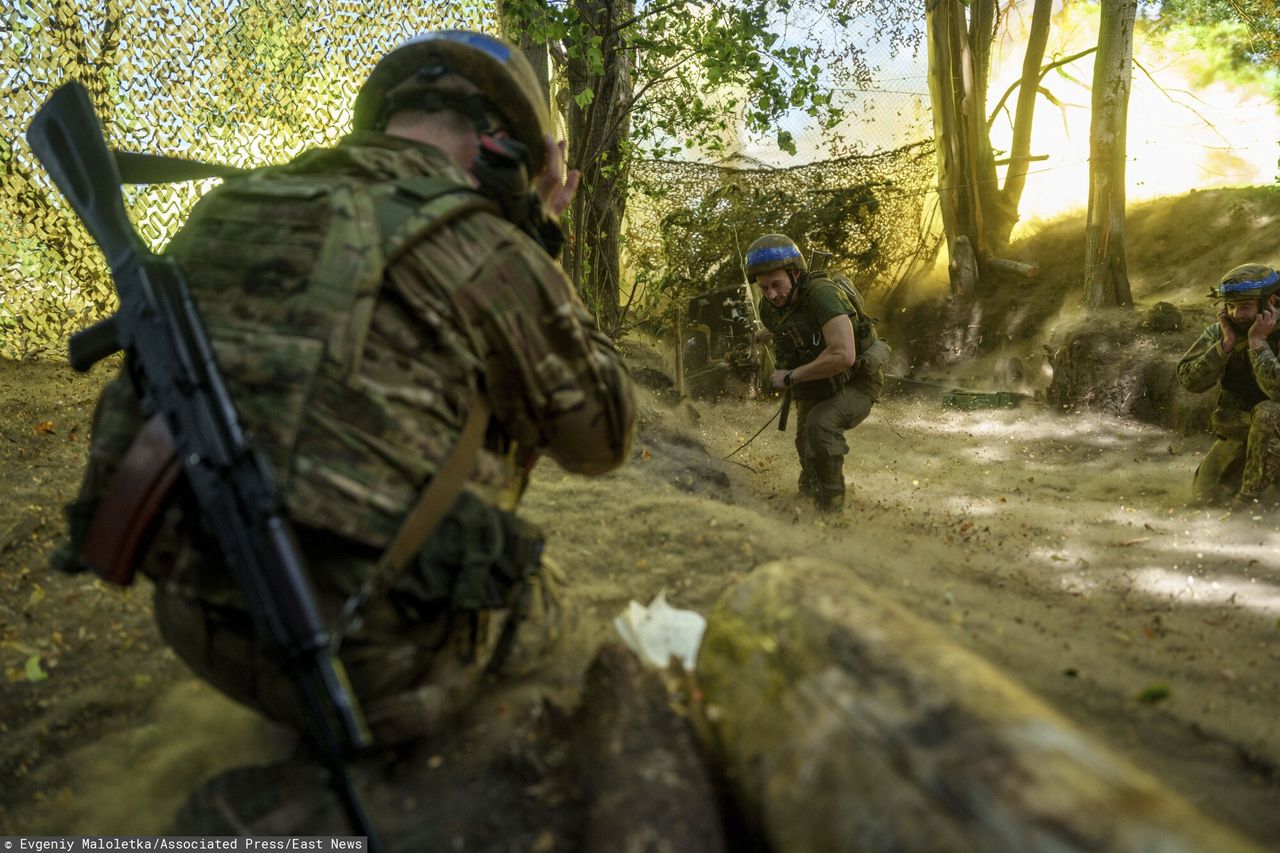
[1245, 376]
[356, 425]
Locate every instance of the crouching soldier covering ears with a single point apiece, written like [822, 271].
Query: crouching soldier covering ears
[1237, 355]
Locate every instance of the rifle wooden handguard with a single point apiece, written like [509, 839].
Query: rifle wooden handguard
[134, 499]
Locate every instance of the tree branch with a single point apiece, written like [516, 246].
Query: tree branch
[649, 13]
[1193, 110]
[1043, 71]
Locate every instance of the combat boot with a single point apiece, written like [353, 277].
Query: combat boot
[829, 483]
[807, 485]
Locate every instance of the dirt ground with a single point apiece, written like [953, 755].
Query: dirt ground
[1058, 546]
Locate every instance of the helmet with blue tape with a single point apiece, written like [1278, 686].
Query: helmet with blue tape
[773, 252]
[407, 77]
[1247, 281]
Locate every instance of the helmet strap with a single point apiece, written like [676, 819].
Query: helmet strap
[795, 285]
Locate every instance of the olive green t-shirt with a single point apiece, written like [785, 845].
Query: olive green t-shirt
[820, 300]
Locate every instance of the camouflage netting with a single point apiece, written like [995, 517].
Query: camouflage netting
[693, 222]
[240, 82]
[251, 82]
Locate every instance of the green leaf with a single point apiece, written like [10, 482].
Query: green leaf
[1153, 693]
[785, 142]
[32, 669]
[584, 97]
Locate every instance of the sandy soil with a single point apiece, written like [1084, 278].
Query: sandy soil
[1058, 547]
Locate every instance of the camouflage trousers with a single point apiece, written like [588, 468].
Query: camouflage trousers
[410, 675]
[1245, 460]
[821, 444]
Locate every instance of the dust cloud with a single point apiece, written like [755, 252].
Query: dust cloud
[1058, 547]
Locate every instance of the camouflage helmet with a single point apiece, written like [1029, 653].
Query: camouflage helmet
[773, 252]
[499, 70]
[1247, 281]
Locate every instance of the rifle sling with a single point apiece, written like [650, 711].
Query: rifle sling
[438, 496]
[137, 493]
[434, 503]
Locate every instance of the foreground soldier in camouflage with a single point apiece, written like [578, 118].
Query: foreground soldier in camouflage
[364, 300]
[830, 357]
[1238, 355]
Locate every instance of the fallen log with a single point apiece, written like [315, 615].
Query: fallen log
[846, 723]
[647, 787]
[1018, 268]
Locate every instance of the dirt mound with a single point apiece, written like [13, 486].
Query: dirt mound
[1177, 248]
[1125, 364]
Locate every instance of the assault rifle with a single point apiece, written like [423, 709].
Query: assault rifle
[171, 361]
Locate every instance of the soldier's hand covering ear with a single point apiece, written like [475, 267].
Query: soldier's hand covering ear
[1264, 323]
[1230, 335]
[553, 186]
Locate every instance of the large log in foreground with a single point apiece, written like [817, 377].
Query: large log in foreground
[846, 723]
[649, 791]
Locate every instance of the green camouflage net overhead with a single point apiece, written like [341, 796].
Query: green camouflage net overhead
[692, 223]
[239, 82]
[252, 82]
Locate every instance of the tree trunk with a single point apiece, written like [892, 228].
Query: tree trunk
[957, 82]
[946, 126]
[847, 723]
[1106, 279]
[514, 25]
[1020, 150]
[598, 131]
[978, 43]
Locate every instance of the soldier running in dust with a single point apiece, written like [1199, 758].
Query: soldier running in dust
[831, 360]
[362, 299]
[1238, 354]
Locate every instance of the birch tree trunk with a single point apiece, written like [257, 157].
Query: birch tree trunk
[1015, 179]
[1106, 279]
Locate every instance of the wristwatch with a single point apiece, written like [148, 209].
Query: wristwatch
[786, 380]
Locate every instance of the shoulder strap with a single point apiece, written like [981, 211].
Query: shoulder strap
[408, 209]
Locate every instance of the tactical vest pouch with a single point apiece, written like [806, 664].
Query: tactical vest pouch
[875, 358]
[476, 559]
